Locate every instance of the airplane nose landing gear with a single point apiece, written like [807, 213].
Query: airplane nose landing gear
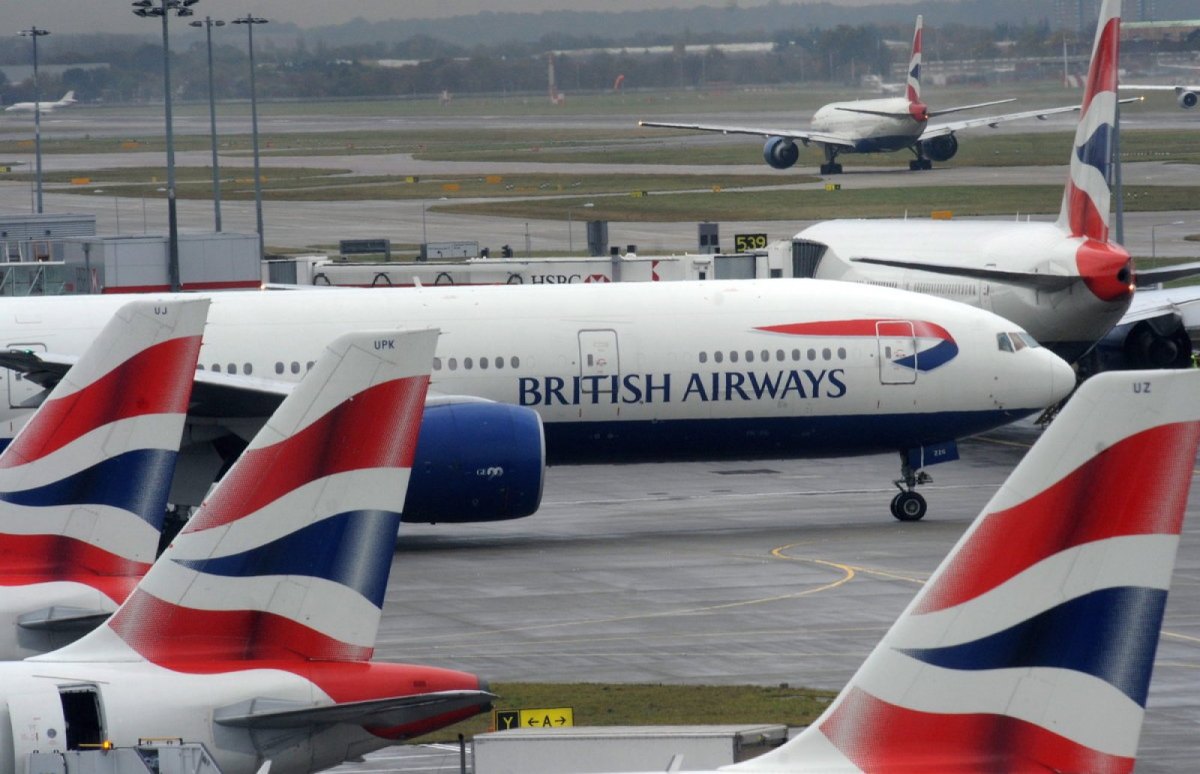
[909, 505]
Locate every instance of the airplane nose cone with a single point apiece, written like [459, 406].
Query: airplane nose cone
[1062, 376]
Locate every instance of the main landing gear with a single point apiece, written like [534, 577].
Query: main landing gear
[909, 505]
[831, 167]
[921, 161]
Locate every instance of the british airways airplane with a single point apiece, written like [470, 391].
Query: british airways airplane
[84, 485]
[873, 126]
[1031, 646]
[1066, 282]
[617, 373]
[252, 634]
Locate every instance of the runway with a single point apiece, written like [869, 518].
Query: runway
[763, 572]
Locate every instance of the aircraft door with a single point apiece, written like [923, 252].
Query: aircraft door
[82, 716]
[21, 389]
[897, 352]
[599, 373]
[37, 721]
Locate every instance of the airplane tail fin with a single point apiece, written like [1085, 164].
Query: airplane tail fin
[288, 558]
[68, 98]
[1031, 646]
[1087, 198]
[913, 89]
[84, 484]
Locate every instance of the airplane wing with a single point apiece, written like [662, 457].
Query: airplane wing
[950, 127]
[1158, 87]
[905, 114]
[802, 135]
[1147, 277]
[1034, 280]
[1148, 304]
[394, 711]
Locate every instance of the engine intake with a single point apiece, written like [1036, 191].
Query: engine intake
[1187, 99]
[780, 152]
[940, 148]
[476, 461]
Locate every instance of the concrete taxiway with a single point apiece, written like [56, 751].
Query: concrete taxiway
[761, 572]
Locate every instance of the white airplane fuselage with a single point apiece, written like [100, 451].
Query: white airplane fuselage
[643, 371]
[871, 133]
[140, 700]
[1068, 320]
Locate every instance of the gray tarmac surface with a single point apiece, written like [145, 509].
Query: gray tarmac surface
[761, 572]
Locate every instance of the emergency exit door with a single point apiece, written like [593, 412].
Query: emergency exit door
[897, 352]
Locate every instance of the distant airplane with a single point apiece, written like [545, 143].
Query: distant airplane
[873, 126]
[1031, 647]
[253, 632]
[46, 107]
[1066, 283]
[617, 372]
[1187, 97]
[83, 486]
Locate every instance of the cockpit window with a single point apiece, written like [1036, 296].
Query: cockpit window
[1003, 342]
[1030, 341]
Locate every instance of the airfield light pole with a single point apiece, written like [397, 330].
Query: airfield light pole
[34, 33]
[1153, 243]
[147, 10]
[250, 20]
[208, 24]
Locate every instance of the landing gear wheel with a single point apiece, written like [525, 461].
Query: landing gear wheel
[831, 168]
[909, 506]
[918, 164]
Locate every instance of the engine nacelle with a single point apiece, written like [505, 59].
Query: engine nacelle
[476, 461]
[940, 148]
[780, 152]
[1187, 99]
[1159, 342]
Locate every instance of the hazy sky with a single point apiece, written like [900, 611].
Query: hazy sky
[114, 15]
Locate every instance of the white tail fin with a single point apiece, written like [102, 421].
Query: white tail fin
[1031, 647]
[288, 559]
[68, 98]
[1087, 198]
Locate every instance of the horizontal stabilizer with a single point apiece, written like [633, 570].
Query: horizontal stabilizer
[62, 618]
[399, 710]
[1147, 277]
[43, 369]
[1033, 280]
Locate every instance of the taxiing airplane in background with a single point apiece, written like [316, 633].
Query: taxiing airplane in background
[1031, 646]
[1066, 282]
[45, 107]
[1187, 97]
[252, 634]
[83, 486]
[617, 372]
[873, 126]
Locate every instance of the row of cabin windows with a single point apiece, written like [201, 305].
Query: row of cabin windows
[468, 364]
[764, 356]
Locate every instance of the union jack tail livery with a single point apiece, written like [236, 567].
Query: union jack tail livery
[1086, 201]
[84, 485]
[913, 87]
[1031, 647]
[288, 558]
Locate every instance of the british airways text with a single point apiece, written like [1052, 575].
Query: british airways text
[700, 388]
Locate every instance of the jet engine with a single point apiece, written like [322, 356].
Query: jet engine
[780, 152]
[1159, 342]
[1187, 99]
[476, 461]
[940, 148]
